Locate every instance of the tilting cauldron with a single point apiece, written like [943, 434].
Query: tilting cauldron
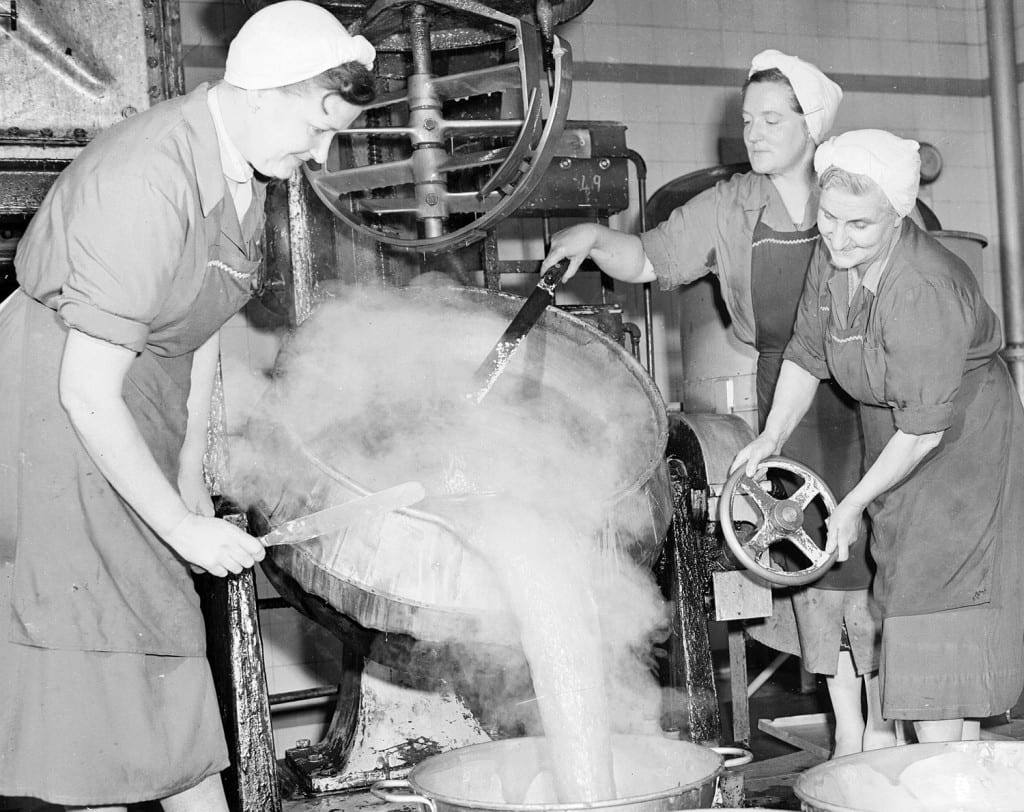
[371, 390]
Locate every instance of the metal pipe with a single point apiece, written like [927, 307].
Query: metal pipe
[641, 181]
[1002, 61]
[301, 695]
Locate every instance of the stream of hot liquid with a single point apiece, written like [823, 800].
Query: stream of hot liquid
[541, 564]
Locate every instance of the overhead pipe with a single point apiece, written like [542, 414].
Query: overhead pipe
[1002, 61]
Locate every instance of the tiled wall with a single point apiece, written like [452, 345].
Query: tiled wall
[669, 70]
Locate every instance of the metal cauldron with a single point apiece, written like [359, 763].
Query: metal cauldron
[652, 774]
[405, 572]
[978, 776]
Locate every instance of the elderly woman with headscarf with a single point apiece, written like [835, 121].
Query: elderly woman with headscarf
[900, 323]
[142, 249]
[756, 232]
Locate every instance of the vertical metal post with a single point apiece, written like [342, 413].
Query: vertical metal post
[641, 182]
[1002, 62]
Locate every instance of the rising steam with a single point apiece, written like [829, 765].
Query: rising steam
[539, 483]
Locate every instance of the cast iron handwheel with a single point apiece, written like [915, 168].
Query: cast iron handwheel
[780, 519]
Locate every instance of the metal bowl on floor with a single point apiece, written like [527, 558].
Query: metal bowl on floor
[652, 774]
[938, 777]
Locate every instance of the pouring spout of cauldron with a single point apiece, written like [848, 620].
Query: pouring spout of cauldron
[500, 356]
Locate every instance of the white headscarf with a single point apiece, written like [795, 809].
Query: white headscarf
[818, 95]
[288, 42]
[890, 161]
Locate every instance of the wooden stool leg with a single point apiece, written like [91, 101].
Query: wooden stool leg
[738, 684]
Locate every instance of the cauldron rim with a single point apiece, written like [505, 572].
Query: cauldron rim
[611, 803]
[636, 369]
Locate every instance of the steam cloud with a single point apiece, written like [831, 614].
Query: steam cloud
[539, 480]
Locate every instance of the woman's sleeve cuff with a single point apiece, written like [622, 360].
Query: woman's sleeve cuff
[798, 355]
[923, 419]
[658, 252]
[98, 323]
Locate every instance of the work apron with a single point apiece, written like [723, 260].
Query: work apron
[936, 536]
[946, 540]
[118, 586]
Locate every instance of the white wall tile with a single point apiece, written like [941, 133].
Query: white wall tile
[893, 22]
[922, 24]
[635, 43]
[769, 17]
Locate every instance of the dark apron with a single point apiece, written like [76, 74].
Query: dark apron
[937, 535]
[828, 438]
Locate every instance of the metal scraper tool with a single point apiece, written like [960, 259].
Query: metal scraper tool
[332, 519]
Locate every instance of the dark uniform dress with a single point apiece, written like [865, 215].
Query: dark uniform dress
[108, 697]
[828, 441]
[920, 354]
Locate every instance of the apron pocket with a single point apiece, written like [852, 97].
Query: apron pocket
[874, 371]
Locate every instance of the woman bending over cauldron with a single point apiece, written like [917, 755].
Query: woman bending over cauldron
[756, 232]
[145, 245]
[899, 322]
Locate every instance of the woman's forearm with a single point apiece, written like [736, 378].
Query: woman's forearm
[200, 398]
[621, 256]
[91, 377]
[901, 455]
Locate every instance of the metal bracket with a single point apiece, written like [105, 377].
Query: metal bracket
[12, 15]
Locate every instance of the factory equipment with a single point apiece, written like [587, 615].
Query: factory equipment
[470, 130]
[449, 150]
[780, 518]
[591, 416]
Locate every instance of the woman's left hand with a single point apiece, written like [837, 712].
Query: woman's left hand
[844, 527]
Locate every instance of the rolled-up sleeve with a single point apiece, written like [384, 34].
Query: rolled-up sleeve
[926, 337]
[806, 348]
[125, 234]
[682, 248]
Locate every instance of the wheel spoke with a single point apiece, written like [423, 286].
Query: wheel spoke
[762, 539]
[761, 498]
[806, 545]
[388, 205]
[495, 79]
[374, 176]
[806, 493]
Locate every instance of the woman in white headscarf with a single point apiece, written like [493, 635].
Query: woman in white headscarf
[900, 323]
[756, 232]
[144, 246]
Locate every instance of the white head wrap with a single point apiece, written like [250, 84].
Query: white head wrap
[287, 42]
[818, 95]
[890, 161]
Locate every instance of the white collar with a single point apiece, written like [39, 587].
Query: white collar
[235, 167]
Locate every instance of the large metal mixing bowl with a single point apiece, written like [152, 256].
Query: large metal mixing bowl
[979, 776]
[652, 774]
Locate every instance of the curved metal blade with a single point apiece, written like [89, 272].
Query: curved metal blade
[333, 519]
